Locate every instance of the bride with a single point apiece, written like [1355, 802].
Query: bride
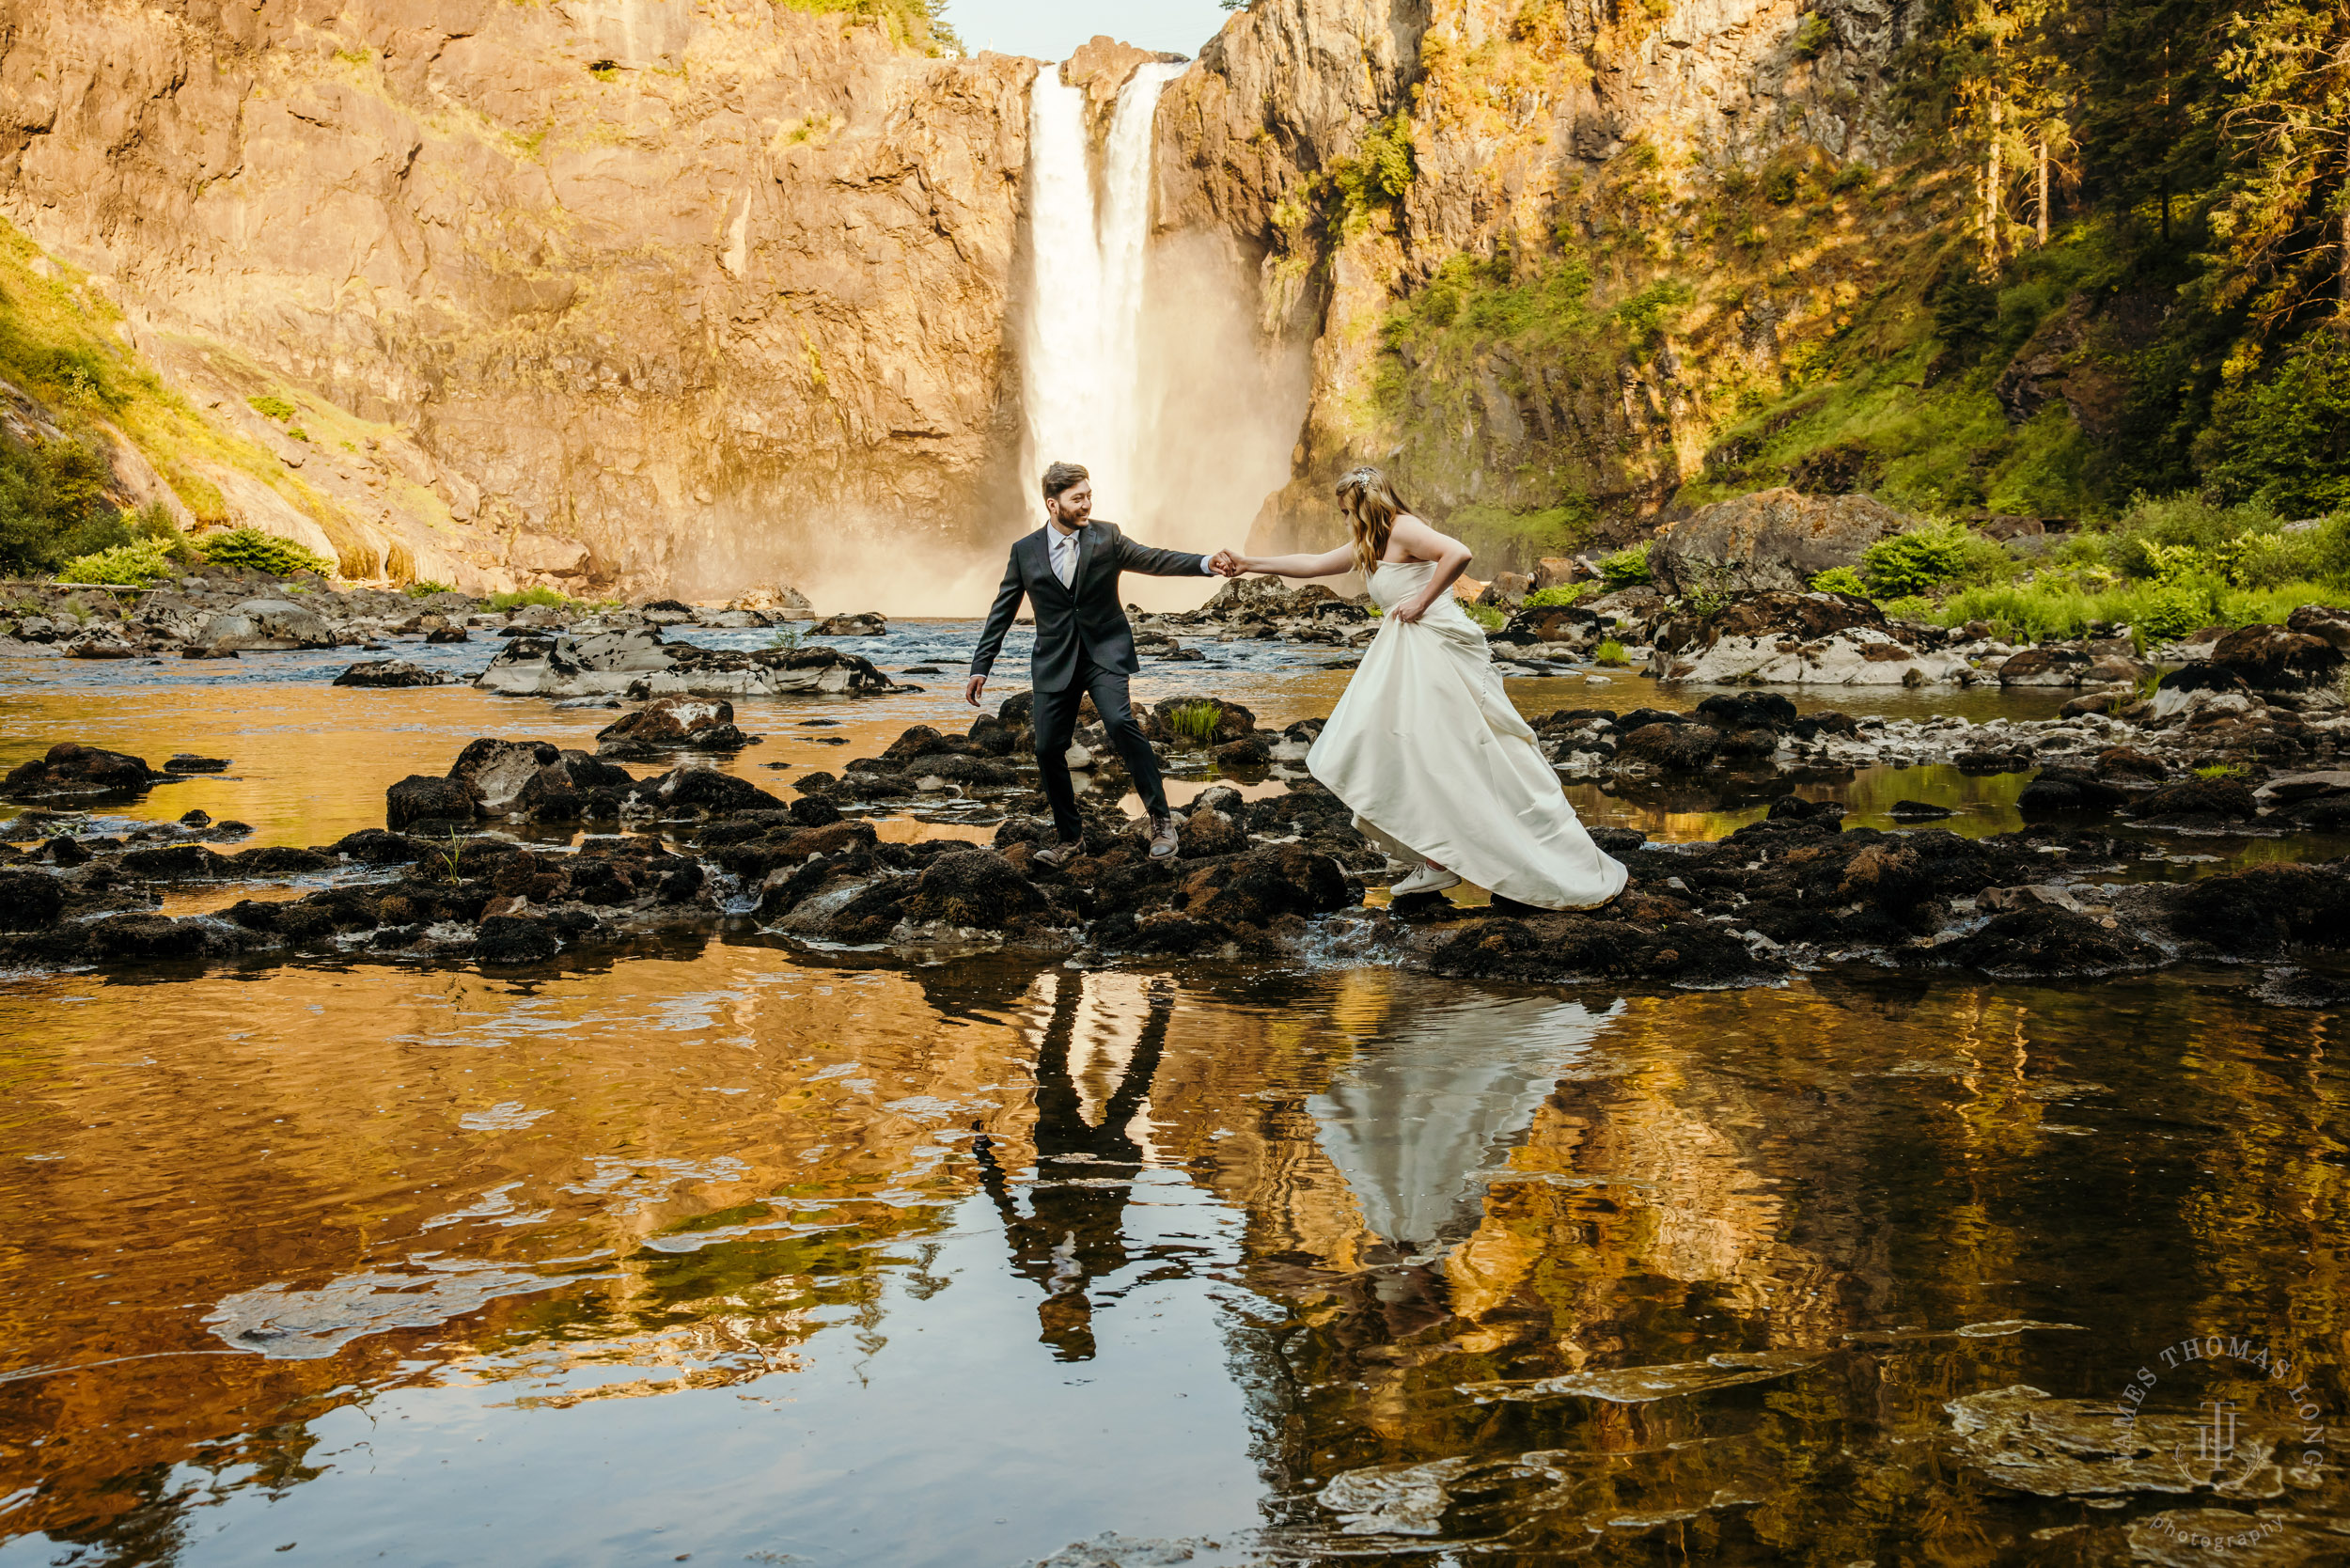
[1424, 746]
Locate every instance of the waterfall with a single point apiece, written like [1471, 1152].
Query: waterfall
[1080, 356]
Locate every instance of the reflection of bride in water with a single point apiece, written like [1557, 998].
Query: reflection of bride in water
[1423, 1114]
[1416, 1119]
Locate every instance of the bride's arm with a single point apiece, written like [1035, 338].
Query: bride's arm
[1422, 542]
[1332, 563]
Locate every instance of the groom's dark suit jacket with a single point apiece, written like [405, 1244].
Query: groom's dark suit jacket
[1084, 621]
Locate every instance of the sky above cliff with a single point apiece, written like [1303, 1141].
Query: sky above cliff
[1052, 30]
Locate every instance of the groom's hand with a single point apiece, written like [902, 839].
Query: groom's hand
[971, 689]
[1225, 564]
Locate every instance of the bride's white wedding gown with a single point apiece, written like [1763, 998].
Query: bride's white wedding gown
[1436, 765]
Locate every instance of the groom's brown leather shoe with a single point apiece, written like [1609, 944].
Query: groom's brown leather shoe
[1060, 855]
[1163, 837]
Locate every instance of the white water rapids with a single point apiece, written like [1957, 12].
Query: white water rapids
[1081, 354]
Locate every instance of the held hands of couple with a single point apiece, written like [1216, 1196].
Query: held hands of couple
[1226, 564]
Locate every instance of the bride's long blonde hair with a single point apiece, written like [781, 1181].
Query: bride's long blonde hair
[1368, 498]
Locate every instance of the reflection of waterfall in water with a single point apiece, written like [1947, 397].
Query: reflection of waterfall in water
[1416, 1119]
[1080, 353]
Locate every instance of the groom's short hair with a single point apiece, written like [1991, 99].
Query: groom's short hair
[1063, 475]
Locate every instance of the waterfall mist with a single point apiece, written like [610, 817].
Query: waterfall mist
[1139, 356]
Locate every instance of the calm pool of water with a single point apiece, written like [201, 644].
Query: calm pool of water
[726, 1252]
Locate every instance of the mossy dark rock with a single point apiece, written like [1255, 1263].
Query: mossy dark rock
[1674, 747]
[2198, 799]
[30, 899]
[515, 939]
[2061, 791]
[974, 887]
[421, 798]
[70, 768]
[2046, 942]
[2267, 909]
[709, 792]
[175, 863]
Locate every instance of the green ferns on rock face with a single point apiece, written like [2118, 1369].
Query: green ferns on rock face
[1383, 170]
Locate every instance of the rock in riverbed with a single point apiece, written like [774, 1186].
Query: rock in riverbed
[390, 673]
[636, 662]
[70, 769]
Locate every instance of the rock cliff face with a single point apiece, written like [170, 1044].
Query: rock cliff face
[688, 296]
[645, 293]
[1359, 147]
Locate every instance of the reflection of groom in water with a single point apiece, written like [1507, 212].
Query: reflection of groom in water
[1074, 1234]
[1068, 570]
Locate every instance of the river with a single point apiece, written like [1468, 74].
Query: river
[736, 1250]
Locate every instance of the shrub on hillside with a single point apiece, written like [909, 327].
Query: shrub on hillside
[54, 504]
[252, 550]
[123, 566]
[1564, 594]
[1931, 556]
[1840, 579]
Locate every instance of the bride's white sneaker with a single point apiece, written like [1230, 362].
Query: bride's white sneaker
[1426, 879]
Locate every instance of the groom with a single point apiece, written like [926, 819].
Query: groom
[1068, 569]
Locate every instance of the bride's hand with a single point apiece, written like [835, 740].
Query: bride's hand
[1412, 608]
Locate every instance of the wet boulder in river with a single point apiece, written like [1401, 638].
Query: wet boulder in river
[2060, 791]
[507, 777]
[1829, 639]
[2328, 623]
[2196, 687]
[1747, 710]
[30, 899]
[866, 624]
[421, 798]
[668, 722]
[1196, 721]
[707, 793]
[515, 940]
[973, 888]
[562, 665]
[268, 624]
[70, 768]
[390, 673]
[1675, 748]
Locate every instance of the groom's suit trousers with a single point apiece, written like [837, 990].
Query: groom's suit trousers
[1056, 720]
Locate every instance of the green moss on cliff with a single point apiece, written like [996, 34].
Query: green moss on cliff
[61, 343]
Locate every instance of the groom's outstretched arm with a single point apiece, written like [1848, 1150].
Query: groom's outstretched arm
[1007, 605]
[1152, 562]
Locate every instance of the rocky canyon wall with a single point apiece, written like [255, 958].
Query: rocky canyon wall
[674, 295]
[1357, 152]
